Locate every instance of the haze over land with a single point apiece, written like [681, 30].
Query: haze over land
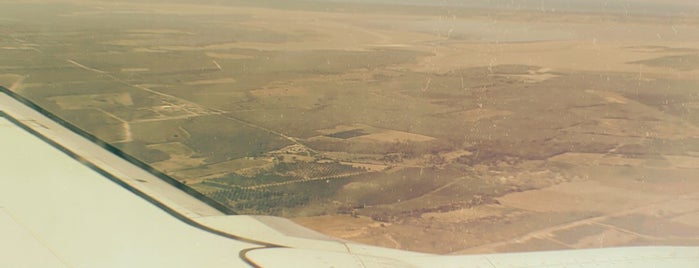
[453, 127]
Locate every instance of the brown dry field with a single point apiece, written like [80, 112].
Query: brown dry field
[498, 185]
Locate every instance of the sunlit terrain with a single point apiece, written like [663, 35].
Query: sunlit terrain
[446, 128]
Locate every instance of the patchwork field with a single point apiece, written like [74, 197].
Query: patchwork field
[448, 129]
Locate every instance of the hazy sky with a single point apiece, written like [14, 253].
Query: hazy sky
[614, 6]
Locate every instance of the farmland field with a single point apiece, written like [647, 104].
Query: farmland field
[455, 128]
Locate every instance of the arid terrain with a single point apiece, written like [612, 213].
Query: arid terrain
[441, 128]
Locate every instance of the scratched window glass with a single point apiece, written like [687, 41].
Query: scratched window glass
[434, 126]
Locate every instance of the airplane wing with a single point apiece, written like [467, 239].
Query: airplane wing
[69, 200]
